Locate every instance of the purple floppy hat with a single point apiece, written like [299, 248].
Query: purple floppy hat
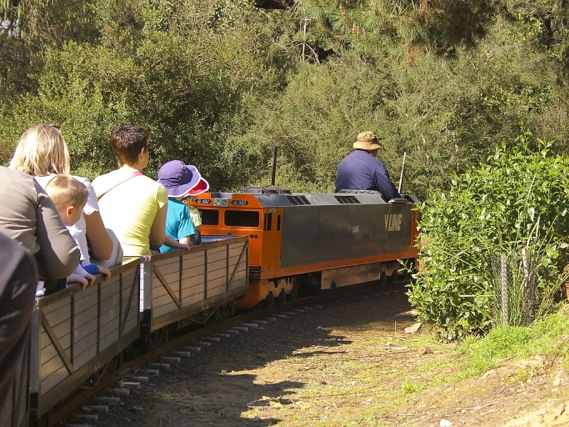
[179, 178]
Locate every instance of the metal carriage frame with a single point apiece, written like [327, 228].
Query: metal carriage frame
[75, 332]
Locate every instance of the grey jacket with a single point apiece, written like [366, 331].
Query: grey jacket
[28, 216]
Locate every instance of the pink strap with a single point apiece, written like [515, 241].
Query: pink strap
[121, 181]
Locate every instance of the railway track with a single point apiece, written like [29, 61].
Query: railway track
[82, 408]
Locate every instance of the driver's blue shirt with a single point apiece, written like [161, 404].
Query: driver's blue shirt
[359, 170]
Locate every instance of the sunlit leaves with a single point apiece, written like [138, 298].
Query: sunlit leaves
[511, 207]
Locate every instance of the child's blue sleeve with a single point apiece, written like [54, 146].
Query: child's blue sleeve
[91, 268]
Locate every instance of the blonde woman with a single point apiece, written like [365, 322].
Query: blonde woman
[42, 152]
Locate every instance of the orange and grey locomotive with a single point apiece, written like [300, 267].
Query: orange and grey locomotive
[318, 240]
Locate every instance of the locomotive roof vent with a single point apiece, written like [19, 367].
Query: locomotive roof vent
[298, 200]
[346, 199]
[358, 191]
[264, 190]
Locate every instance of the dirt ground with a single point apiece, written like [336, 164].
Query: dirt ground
[347, 363]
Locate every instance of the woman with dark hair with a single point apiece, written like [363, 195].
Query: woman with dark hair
[132, 205]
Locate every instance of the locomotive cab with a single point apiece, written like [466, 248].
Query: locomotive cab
[242, 214]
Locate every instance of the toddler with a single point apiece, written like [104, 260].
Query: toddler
[70, 196]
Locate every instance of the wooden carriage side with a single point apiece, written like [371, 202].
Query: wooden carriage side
[14, 408]
[187, 283]
[76, 332]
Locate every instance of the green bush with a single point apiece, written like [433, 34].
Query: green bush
[491, 250]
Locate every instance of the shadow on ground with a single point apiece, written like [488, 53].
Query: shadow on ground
[217, 385]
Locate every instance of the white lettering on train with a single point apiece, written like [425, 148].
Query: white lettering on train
[393, 222]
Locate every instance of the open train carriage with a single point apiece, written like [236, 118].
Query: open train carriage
[75, 333]
[325, 240]
[202, 281]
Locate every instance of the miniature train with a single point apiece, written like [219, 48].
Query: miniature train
[259, 246]
[322, 240]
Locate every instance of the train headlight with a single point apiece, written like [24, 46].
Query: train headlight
[220, 203]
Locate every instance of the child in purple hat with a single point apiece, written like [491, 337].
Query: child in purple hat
[179, 180]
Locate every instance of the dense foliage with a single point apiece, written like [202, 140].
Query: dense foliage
[185, 72]
[222, 83]
[493, 248]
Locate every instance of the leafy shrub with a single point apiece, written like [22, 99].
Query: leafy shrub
[492, 247]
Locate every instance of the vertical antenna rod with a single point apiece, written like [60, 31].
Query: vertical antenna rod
[274, 166]
[402, 172]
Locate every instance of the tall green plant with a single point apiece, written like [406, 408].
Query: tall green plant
[494, 243]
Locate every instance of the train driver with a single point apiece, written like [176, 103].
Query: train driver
[362, 170]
